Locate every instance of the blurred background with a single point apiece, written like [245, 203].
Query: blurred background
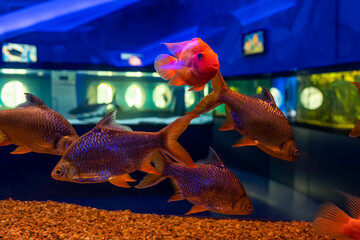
[85, 58]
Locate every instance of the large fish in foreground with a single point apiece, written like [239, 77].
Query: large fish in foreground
[334, 222]
[355, 132]
[194, 64]
[210, 186]
[110, 151]
[35, 127]
[257, 118]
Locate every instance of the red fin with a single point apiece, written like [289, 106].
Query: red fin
[331, 221]
[150, 179]
[355, 132]
[172, 133]
[146, 165]
[357, 85]
[177, 195]
[229, 124]
[181, 77]
[177, 48]
[196, 209]
[197, 89]
[163, 66]
[121, 180]
[244, 141]
[353, 204]
[21, 150]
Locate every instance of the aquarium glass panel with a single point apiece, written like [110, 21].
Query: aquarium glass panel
[104, 93]
[329, 99]
[12, 93]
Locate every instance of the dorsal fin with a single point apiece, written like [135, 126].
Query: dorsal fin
[265, 96]
[212, 158]
[31, 101]
[109, 122]
[176, 48]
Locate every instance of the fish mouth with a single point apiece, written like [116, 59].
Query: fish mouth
[215, 66]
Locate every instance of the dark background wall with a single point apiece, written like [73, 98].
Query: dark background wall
[300, 34]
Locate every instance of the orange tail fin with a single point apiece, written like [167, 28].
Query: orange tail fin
[172, 133]
[211, 101]
[331, 221]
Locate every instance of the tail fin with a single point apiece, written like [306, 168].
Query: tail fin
[331, 221]
[151, 179]
[172, 133]
[355, 132]
[212, 100]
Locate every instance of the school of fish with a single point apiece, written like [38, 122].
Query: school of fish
[110, 152]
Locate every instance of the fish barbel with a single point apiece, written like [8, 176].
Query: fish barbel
[257, 118]
[110, 151]
[210, 186]
[35, 127]
[194, 64]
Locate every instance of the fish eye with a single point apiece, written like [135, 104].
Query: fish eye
[200, 56]
[249, 207]
[59, 172]
[296, 152]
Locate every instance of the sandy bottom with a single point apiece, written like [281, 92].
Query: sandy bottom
[53, 220]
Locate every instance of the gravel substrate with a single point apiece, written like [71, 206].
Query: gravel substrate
[53, 220]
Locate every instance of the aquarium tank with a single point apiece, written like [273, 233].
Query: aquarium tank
[113, 121]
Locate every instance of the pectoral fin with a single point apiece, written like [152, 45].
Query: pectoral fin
[229, 124]
[244, 141]
[181, 77]
[21, 150]
[3, 140]
[121, 180]
[197, 89]
[196, 209]
[146, 165]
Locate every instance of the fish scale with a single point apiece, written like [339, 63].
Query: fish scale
[204, 183]
[110, 151]
[36, 126]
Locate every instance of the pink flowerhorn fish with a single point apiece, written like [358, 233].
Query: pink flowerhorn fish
[35, 127]
[210, 186]
[257, 118]
[194, 64]
[356, 130]
[333, 222]
[110, 151]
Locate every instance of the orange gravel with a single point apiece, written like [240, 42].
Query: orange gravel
[53, 220]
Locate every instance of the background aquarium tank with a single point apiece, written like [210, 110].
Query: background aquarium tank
[85, 59]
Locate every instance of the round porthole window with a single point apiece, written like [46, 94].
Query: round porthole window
[12, 94]
[104, 93]
[162, 96]
[311, 98]
[189, 97]
[135, 96]
[277, 96]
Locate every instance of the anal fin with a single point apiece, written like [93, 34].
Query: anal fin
[196, 209]
[121, 180]
[244, 141]
[21, 150]
[177, 195]
[229, 124]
